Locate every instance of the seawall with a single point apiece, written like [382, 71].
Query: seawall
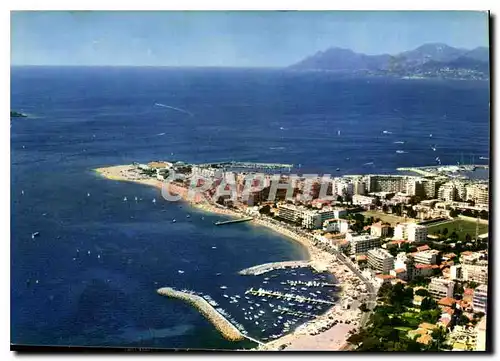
[226, 328]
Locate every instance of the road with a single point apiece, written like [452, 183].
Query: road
[372, 295]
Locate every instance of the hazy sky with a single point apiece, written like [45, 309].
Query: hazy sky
[228, 38]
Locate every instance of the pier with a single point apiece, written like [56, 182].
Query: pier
[226, 328]
[309, 283]
[434, 170]
[286, 296]
[266, 267]
[221, 223]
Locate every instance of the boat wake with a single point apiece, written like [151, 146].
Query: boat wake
[174, 108]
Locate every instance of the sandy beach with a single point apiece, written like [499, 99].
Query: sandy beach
[328, 331]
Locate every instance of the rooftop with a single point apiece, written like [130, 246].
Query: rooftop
[426, 266]
[380, 252]
[427, 326]
[447, 301]
[385, 277]
[425, 339]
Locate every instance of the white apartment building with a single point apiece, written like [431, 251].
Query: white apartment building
[290, 212]
[401, 231]
[336, 225]
[480, 299]
[380, 260]
[482, 195]
[456, 272]
[476, 272]
[416, 233]
[481, 335]
[360, 200]
[387, 183]
[411, 232]
[359, 187]
[429, 186]
[379, 229]
[415, 187]
[448, 192]
[360, 244]
[479, 193]
[342, 187]
[310, 218]
[471, 257]
[440, 288]
[426, 257]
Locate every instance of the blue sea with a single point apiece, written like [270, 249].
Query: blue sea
[90, 277]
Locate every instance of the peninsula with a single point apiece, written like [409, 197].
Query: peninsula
[325, 219]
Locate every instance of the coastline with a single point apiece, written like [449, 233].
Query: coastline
[321, 333]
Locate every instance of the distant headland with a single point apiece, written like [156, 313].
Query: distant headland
[14, 114]
[438, 61]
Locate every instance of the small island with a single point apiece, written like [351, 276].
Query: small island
[14, 114]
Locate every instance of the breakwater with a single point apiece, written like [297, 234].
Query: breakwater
[226, 328]
[266, 267]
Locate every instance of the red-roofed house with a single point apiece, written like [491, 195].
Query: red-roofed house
[423, 248]
[447, 310]
[399, 273]
[447, 302]
[448, 256]
[424, 270]
[381, 278]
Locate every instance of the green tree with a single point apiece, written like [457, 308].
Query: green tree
[468, 238]
[445, 231]
[428, 304]
[422, 292]
[472, 284]
[438, 339]
[463, 320]
[265, 209]
[431, 316]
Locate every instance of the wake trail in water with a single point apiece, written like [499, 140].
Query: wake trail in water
[174, 108]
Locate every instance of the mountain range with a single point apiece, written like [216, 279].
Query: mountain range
[427, 61]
